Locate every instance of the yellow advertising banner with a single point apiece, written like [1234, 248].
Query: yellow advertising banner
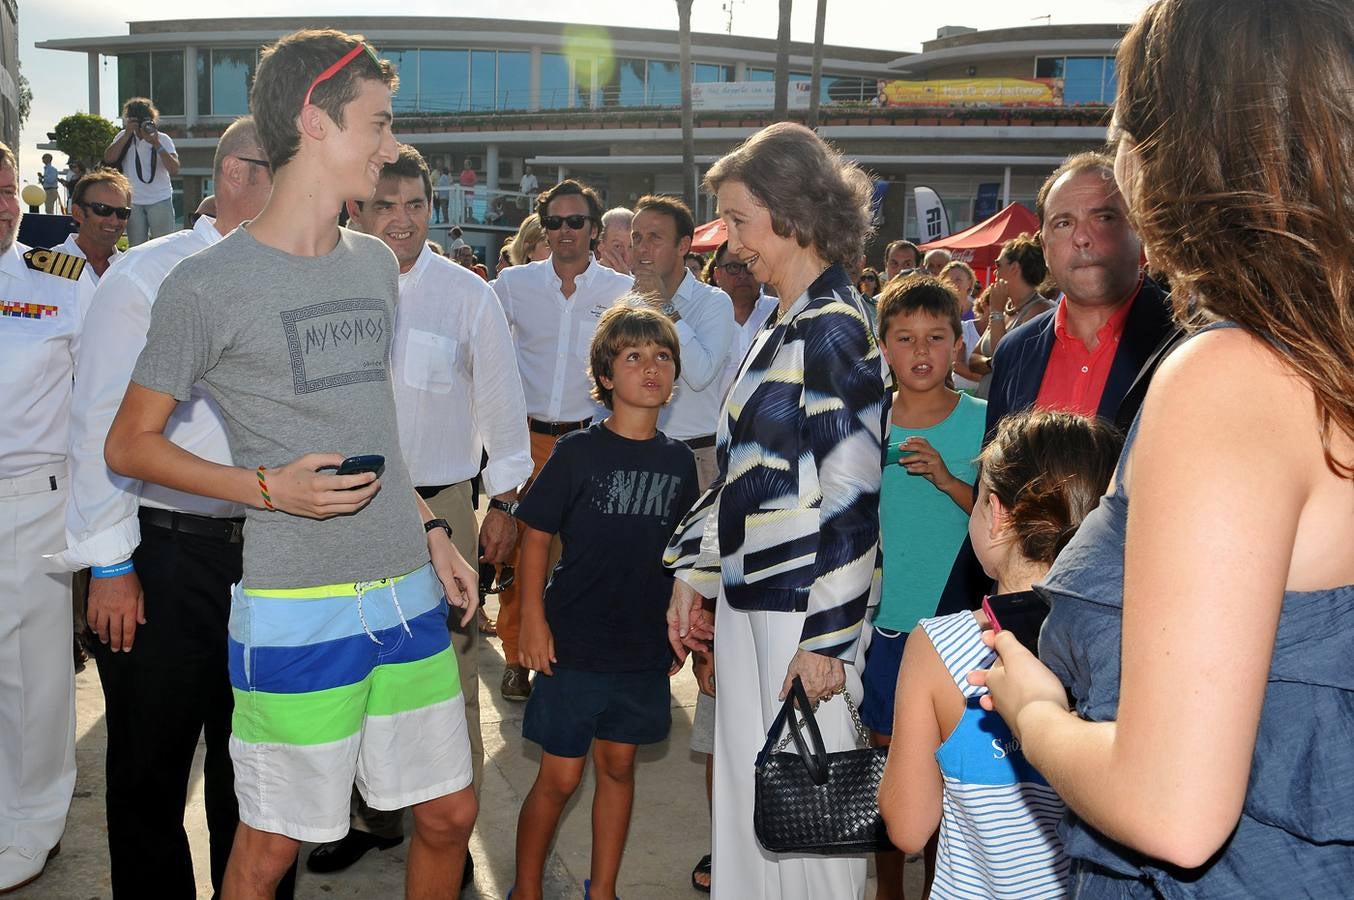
[972, 92]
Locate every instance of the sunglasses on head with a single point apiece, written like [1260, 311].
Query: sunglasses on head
[103, 209]
[734, 268]
[338, 66]
[553, 223]
[261, 163]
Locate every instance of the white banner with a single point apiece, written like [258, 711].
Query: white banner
[746, 95]
[932, 219]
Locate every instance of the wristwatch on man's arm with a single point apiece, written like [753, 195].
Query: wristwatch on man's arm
[505, 506]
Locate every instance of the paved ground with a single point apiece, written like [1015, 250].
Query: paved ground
[669, 831]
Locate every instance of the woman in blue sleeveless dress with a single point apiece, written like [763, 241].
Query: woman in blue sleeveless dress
[1203, 616]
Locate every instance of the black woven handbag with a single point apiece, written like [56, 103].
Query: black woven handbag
[814, 801]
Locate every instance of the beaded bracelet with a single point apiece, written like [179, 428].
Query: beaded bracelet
[263, 489]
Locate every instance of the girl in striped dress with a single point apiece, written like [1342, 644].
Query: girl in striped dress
[952, 763]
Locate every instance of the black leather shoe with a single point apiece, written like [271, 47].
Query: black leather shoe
[468, 873]
[339, 855]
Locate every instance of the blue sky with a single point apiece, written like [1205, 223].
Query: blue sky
[59, 78]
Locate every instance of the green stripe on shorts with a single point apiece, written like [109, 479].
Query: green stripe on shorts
[322, 717]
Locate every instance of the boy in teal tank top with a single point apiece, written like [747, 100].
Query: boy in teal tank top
[926, 494]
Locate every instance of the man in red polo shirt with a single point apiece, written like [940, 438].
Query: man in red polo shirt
[1096, 350]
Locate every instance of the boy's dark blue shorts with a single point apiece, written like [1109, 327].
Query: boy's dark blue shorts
[570, 708]
[882, 660]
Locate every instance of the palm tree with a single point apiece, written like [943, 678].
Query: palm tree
[816, 80]
[783, 62]
[688, 126]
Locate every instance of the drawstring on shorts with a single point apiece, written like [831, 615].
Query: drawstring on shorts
[361, 587]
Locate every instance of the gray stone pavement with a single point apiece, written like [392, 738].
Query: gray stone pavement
[669, 831]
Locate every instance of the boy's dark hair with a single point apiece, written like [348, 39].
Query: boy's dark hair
[100, 176]
[918, 292]
[1049, 470]
[286, 71]
[673, 208]
[46, 157]
[142, 108]
[627, 324]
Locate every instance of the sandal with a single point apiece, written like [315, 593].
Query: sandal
[702, 868]
[487, 626]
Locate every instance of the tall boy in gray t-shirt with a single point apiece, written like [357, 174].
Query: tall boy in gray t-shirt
[340, 660]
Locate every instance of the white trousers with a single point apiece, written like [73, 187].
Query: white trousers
[752, 651]
[37, 677]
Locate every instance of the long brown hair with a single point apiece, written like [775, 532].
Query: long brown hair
[1243, 116]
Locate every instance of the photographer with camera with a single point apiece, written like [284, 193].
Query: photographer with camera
[147, 157]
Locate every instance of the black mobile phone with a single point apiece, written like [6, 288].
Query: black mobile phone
[356, 465]
[1021, 614]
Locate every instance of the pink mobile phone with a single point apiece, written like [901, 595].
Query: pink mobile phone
[991, 616]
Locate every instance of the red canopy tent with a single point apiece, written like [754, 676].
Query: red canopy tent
[709, 236]
[978, 246]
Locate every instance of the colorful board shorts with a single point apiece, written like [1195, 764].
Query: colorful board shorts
[343, 684]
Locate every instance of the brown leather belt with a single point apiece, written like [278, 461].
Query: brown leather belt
[556, 428]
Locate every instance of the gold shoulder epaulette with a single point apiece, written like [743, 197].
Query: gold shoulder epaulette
[54, 262]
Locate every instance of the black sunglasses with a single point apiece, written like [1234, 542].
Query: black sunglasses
[553, 223]
[103, 209]
[494, 580]
[734, 268]
[262, 163]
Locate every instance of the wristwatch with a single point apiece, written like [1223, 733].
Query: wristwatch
[506, 506]
[669, 309]
[437, 523]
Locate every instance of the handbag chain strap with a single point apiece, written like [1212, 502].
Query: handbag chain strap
[861, 732]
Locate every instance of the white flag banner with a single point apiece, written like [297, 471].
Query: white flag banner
[932, 218]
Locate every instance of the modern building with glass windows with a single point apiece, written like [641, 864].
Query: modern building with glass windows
[603, 104]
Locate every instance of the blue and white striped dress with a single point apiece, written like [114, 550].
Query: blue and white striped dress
[999, 820]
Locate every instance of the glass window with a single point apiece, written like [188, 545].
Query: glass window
[706, 73]
[1084, 81]
[514, 79]
[759, 75]
[1048, 67]
[664, 84]
[443, 80]
[232, 77]
[1111, 81]
[834, 89]
[554, 81]
[582, 83]
[406, 66]
[621, 82]
[133, 76]
[204, 82]
[483, 71]
[166, 81]
[801, 76]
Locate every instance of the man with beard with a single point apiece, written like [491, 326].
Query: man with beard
[457, 394]
[1094, 352]
[41, 316]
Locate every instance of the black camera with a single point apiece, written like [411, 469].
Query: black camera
[148, 127]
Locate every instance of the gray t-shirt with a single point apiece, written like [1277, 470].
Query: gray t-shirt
[295, 350]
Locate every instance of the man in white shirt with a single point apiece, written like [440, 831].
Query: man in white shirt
[148, 159]
[163, 565]
[457, 395]
[751, 308]
[100, 205]
[41, 316]
[552, 308]
[529, 184]
[661, 234]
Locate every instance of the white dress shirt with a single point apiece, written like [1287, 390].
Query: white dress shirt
[457, 391]
[101, 523]
[744, 335]
[705, 331]
[88, 276]
[553, 333]
[41, 317]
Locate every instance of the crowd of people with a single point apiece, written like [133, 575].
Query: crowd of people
[906, 492]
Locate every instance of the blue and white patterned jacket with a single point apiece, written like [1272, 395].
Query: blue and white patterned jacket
[791, 523]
